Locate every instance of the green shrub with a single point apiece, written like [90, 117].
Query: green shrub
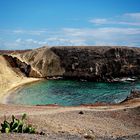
[17, 125]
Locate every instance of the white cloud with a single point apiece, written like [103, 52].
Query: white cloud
[99, 21]
[30, 32]
[18, 40]
[21, 44]
[119, 30]
[24, 32]
[130, 19]
[100, 31]
[133, 15]
[106, 36]
[79, 36]
[56, 41]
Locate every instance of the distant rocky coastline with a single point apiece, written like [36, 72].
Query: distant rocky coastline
[109, 64]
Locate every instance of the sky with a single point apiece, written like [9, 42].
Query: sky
[28, 24]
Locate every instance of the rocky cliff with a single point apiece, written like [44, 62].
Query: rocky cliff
[20, 67]
[44, 61]
[99, 63]
[90, 63]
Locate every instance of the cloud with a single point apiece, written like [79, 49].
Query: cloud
[57, 41]
[100, 31]
[21, 44]
[24, 32]
[18, 40]
[133, 15]
[99, 21]
[31, 43]
[77, 37]
[106, 36]
[122, 30]
[130, 19]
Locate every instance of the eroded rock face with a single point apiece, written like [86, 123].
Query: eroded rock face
[99, 63]
[44, 61]
[90, 63]
[19, 65]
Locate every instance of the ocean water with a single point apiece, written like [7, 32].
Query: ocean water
[71, 93]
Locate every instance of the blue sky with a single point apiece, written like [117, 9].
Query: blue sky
[35, 23]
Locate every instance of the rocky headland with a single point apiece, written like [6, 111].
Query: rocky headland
[87, 63]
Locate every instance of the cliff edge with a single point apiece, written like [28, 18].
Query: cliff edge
[89, 63]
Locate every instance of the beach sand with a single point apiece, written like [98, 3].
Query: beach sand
[11, 78]
[112, 121]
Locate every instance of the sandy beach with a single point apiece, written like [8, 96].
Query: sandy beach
[11, 79]
[14, 86]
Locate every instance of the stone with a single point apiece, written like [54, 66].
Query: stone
[81, 112]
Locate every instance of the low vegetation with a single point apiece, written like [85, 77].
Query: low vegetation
[17, 126]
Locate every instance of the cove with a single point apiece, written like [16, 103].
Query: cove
[71, 93]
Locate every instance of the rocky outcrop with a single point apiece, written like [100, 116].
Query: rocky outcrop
[99, 63]
[44, 61]
[90, 63]
[18, 65]
[133, 95]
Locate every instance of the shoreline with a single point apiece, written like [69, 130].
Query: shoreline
[4, 98]
[11, 78]
[8, 91]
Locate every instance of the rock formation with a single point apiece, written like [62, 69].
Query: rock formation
[16, 63]
[19, 66]
[89, 63]
[99, 63]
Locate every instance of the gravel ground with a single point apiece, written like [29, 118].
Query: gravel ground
[62, 137]
[114, 122]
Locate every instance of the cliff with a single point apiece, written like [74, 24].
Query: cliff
[44, 61]
[90, 63]
[99, 63]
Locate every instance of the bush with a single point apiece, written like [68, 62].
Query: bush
[17, 125]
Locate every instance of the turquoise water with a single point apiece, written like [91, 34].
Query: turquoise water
[72, 93]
